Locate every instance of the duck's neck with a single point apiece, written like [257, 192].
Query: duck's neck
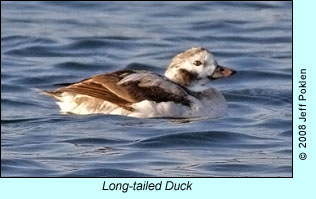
[198, 86]
[188, 80]
[182, 77]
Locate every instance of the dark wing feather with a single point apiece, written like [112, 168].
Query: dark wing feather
[109, 88]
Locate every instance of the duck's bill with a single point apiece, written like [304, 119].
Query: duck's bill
[220, 72]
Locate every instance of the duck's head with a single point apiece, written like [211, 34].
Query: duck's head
[195, 66]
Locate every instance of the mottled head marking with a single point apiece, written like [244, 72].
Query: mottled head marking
[182, 57]
[190, 66]
[195, 67]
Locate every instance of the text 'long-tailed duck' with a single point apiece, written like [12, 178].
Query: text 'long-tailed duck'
[139, 93]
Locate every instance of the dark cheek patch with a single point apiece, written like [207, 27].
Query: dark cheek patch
[187, 77]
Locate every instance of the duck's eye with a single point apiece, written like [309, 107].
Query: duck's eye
[197, 63]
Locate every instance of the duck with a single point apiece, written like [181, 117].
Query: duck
[182, 92]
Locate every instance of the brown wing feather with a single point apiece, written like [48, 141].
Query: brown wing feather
[107, 87]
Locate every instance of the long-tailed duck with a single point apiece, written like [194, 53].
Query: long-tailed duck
[137, 93]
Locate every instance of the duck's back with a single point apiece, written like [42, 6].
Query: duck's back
[125, 92]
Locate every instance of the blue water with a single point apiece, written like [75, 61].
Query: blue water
[44, 44]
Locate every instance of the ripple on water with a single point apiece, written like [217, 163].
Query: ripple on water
[46, 45]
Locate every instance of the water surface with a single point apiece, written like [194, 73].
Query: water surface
[44, 44]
